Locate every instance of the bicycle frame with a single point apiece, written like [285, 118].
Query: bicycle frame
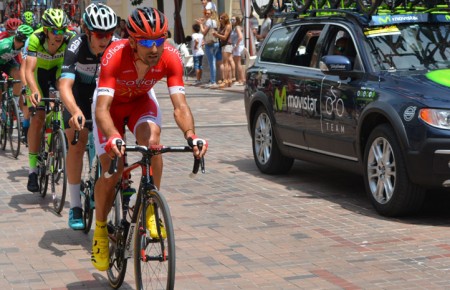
[123, 234]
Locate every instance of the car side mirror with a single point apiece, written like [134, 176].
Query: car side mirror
[335, 64]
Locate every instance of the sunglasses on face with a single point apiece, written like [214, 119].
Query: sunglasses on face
[150, 42]
[58, 31]
[11, 31]
[340, 48]
[101, 35]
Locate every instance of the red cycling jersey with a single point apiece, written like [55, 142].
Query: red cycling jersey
[4, 34]
[118, 76]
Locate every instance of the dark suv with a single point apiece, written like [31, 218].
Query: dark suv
[365, 94]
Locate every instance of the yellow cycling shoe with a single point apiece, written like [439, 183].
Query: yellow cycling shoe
[100, 253]
[151, 224]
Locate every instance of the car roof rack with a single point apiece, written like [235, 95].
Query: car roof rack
[383, 18]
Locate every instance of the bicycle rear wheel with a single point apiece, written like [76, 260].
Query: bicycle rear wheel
[88, 197]
[368, 6]
[58, 177]
[14, 128]
[262, 7]
[117, 236]
[154, 254]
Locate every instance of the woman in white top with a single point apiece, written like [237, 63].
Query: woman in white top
[237, 41]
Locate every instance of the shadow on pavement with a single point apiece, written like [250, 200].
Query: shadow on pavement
[308, 181]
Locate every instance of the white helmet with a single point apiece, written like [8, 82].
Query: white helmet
[99, 17]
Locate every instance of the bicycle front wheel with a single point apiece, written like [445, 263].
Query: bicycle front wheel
[154, 250]
[14, 128]
[117, 237]
[58, 177]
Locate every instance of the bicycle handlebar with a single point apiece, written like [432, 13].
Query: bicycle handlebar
[156, 150]
[57, 102]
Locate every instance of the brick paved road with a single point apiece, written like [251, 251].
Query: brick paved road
[236, 228]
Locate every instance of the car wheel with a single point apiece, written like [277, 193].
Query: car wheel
[385, 175]
[266, 152]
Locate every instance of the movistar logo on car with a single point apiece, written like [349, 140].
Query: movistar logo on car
[401, 18]
[441, 17]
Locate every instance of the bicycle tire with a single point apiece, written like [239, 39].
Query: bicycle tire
[117, 261]
[160, 267]
[262, 7]
[301, 6]
[3, 132]
[88, 211]
[58, 176]
[42, 168]
[15, 128]
[368, 6]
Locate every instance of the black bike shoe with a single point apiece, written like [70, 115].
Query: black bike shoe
[32, 184]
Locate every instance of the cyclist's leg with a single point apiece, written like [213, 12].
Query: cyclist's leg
[145, 123]
[104, 195]
[34, 134]
[75, 157]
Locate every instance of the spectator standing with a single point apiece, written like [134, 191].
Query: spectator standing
[254, 26]
[237, 41]
[197, 52]
[212, 50]
[170, 40]
[121, 30]
[265, 26]
[227, 48]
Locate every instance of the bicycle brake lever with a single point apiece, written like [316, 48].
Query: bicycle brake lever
[113, 166]
[76, 135]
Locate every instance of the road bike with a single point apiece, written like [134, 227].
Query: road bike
[73, 8]
[143, 232]
[10, 123]
[52, 153]
[90, 174]
[16, 8]
[370, 6]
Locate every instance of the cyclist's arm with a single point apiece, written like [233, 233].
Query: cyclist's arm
[66, 93]
[30, 67]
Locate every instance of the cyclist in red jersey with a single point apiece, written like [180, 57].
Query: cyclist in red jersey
[11, 26]
[129, 69]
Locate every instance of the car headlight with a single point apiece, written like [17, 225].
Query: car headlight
[438, 118]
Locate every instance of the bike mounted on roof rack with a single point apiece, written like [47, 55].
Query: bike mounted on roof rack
[367, 7]
[383, 17]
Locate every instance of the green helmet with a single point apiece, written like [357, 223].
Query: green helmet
[23, 32]
[55, 18]
[28, 18]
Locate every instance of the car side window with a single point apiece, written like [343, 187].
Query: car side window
[308, 37]
[278, 45]
[341, 43]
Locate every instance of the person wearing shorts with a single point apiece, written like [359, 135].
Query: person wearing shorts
[77, 85]
[42, 69]
[129, 69]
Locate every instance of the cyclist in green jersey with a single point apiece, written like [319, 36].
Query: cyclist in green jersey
[29, 19]
[43, 68]
[9, 48]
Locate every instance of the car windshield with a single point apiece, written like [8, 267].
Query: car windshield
[410, 47]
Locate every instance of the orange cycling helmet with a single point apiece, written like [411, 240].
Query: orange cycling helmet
[13, 23]
[147, 22]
